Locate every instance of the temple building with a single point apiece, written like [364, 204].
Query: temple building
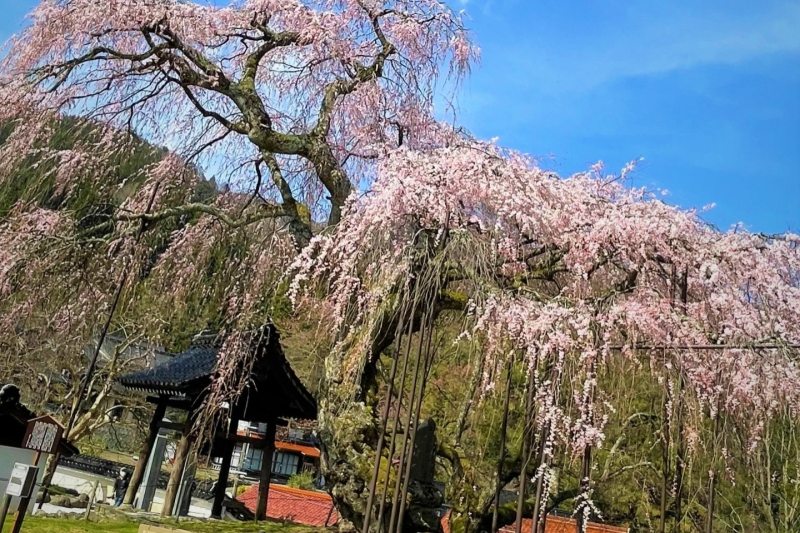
[182, 382]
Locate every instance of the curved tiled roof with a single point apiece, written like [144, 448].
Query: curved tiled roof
[188, 374]
[175, 374]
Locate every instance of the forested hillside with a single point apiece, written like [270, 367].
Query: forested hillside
[45, 365]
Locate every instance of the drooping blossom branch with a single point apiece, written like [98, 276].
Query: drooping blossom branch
[564, 270]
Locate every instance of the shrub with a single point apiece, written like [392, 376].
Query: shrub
[303, 480]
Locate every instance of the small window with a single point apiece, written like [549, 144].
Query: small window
[252, 459]
[285, 464]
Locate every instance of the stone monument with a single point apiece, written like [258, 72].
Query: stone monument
[424, 497]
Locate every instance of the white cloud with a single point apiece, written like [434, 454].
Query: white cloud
[647, 41]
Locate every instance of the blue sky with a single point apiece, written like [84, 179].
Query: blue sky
[708, 93]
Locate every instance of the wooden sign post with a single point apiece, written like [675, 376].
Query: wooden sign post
[43, 435]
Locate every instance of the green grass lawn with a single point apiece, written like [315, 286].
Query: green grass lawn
[34, 524]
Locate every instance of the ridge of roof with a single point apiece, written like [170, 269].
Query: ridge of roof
[300, 492]
[181, 369]
[304, 449]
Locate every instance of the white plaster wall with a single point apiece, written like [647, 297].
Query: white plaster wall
[83, 482]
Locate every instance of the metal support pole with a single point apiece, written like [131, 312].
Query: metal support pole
[425, 362]
[405, 453]
[382, 435]
[91, 500]
[501, 460]
[395, 422]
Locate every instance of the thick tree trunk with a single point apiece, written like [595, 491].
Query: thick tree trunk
[348, 438]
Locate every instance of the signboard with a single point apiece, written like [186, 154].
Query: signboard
[43, 434]
[22, 480]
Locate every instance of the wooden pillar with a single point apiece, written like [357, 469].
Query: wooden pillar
[144, 454]
[224, 469]
[266, 471]
[174, 483]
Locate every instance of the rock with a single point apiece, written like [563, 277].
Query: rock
[425, 499]
[346, 526]
[79, 503]
[83, 497]
[61, 501]
[422, 519]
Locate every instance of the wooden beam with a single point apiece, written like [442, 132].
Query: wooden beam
[176, 426]
[177, 403]
[224, 471]
[266, 472]
[258, 442]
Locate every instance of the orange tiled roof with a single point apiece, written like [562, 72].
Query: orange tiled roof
[445, 521]
[305, 507]
[559, 524]
[309, 451]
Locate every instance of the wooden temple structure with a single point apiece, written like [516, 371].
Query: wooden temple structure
[183, 380]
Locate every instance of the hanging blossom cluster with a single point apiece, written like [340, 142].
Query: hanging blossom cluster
[288, 102]
[22, 232]
[40, 286]
[206, 262]
[572, 271]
